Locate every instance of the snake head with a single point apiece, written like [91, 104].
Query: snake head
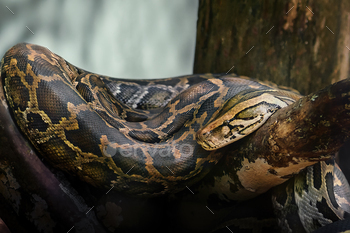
[238, 118]
[218, 134]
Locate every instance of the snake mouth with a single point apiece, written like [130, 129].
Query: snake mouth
[212, 140]
[218, 134]
[207, 145]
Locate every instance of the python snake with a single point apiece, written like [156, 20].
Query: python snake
[143, 138]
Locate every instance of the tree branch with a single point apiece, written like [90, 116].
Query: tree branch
[308, 131]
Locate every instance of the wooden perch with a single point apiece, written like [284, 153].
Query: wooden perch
[310, 130]
[313, 127]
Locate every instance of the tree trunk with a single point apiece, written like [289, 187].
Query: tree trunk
[300, 44]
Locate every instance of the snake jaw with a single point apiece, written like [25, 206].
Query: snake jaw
[212, 138]
[222, 132]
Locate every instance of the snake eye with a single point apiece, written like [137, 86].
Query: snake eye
[226, 122]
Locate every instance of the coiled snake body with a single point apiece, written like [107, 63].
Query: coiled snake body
[144, 138]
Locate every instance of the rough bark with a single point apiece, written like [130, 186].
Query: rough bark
[316, 125]
[308, 131]
[301, 44]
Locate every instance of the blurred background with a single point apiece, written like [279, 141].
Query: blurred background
[126, 39]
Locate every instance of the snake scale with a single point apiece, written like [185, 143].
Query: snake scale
[149, 138]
